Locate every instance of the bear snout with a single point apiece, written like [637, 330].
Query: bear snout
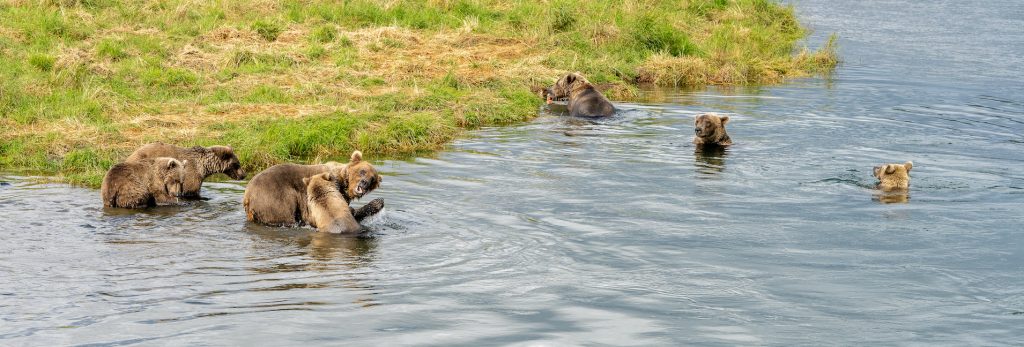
[175, 189]
[363, 187]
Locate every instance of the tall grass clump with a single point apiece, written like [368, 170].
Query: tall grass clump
[267, 30]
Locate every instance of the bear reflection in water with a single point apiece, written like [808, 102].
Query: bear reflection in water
[310, 250]
[892, 197]
[710, 159]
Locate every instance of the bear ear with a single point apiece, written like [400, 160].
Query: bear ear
[171, 164]
[329, 176]
[223, 152]
[889, 168]
[357, 156]
[305, 181]
[909, 165]
[570, 78]
[724, 119]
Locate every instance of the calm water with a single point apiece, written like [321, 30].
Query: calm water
[567, 232]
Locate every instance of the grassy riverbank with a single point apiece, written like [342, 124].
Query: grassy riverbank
[85, 82]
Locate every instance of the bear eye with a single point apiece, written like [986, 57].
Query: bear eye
[362, 172]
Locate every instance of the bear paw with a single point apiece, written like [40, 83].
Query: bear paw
[371, 208]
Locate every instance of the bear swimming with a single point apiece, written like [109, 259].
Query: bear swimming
[893, 177]
[709, 129]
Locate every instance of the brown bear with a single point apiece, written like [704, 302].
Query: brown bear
[328, 210]
[277, 196]
[584, 99]
[709, 129]
[143, 183]
[893, 177]
[202, 163]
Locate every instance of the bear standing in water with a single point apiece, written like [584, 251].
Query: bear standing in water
[202, 163]
[278, 195]
[142, 183]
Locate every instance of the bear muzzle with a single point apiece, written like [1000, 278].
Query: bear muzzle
[237, 175]
[362, 188]
[174, 189]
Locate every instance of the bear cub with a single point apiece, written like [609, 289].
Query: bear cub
[143, 183]
[328, 210]
[893, 177]
[202, 163]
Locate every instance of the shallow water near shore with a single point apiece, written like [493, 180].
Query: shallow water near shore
[567, 231]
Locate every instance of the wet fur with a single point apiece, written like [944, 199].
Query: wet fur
[709, 130]
[202, 163]
[584, 99]
[143, 183]
[328, 210]
[278, 196]
[893, 177]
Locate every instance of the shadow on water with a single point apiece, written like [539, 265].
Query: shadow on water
[156, 211]
[710, 160]
[327, 254]
[353, 251]
[891, 197]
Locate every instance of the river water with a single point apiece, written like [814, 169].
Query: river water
[567, 232]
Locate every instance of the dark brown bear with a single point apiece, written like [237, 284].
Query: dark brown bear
[202, 163]
[277, 196]
[143, 183]
[584, 99]
[709, 129]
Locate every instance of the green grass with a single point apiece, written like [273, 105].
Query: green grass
[267, 30]
[86, 82]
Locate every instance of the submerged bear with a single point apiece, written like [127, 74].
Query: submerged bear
[893, 182]
[281, 195]
[709, 130]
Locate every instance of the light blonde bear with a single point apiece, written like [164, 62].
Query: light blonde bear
[893, 177]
